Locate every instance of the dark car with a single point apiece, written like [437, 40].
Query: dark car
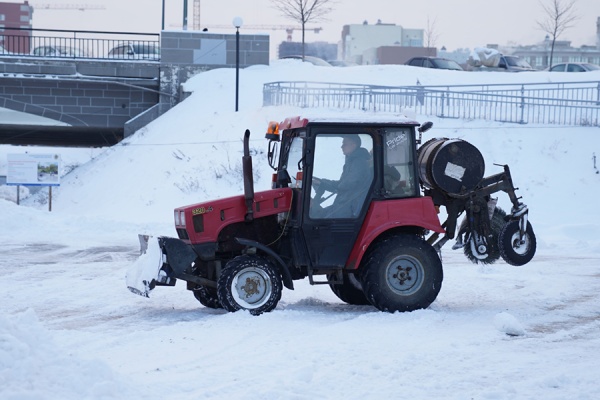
[574, 67]
[434, 62]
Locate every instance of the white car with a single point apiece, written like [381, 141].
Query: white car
[136, 51]
[58, 51]
[574, 67]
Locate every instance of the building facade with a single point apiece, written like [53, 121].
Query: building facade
[538, 55]
[15, 15]
[359, 40]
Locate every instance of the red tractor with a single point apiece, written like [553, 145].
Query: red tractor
[363, 220]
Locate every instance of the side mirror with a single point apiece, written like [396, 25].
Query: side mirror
[272, 154]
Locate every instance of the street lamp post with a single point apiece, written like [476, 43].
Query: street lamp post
[237, 22]
[185, 16]
[163, 15]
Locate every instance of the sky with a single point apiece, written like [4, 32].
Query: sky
[457, 23]
[69, 328]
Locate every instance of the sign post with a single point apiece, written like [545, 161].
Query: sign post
[34, 170]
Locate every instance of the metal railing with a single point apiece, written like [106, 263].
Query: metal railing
[566, 103]
[57, 43]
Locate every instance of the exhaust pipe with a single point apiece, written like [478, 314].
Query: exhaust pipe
[248, 177]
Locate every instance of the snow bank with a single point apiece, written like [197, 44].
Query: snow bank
[32, 366]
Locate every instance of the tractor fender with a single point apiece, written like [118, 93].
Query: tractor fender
[285, 272]
[391, 215]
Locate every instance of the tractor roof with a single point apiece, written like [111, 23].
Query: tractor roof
[337, 118]
[274, 127]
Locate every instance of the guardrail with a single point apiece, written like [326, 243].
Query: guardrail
[566, 103]
[57, 43]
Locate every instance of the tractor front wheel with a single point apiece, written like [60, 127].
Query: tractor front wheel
[402, 273]
[514, 250]
[249, 282]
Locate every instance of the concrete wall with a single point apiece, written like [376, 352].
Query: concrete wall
[78, 103]
[82, 93]
[186, 53]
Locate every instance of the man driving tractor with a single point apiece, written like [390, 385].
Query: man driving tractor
[352, 185]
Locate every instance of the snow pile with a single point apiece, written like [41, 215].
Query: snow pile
[10, 193]
[508, 324]
[484, 56]
[32, 366]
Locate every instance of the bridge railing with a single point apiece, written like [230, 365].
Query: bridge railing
[566, 103]
[57, 43]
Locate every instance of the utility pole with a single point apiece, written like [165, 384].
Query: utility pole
[163, 16]
[185, 18]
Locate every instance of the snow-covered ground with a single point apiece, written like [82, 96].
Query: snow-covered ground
[69, 328]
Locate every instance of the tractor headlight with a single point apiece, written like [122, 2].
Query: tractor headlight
[179, 218]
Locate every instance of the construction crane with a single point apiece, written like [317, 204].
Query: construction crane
[288, 29]
[79, 7]
[196, 15]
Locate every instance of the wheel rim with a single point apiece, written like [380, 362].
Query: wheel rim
[251, 288]
[405, 275]
[518, 247]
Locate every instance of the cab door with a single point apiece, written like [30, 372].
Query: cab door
[335, 209]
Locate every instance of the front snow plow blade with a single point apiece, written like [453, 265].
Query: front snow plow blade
[158, 260]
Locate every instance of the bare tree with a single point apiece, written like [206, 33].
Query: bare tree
[559, 16]
[431, 34]
[304, 11]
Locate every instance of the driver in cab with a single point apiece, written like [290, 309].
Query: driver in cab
[353, 183]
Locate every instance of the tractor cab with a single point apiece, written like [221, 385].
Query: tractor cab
[338, 172]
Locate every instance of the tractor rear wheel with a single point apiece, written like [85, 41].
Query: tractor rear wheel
[249, 282]
[350, 291]
[207, 296]
[402, 273]
[512, 250]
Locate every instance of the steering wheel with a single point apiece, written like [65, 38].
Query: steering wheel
[319, 197]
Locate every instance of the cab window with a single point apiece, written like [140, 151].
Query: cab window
[398, 168]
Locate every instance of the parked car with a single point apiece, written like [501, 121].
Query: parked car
[135, 51]
[434, 62]
[58, 51]
[574, 67]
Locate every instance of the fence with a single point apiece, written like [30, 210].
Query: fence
[56, 43]
[566, 103]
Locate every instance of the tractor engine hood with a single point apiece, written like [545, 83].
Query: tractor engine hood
[202, 222]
